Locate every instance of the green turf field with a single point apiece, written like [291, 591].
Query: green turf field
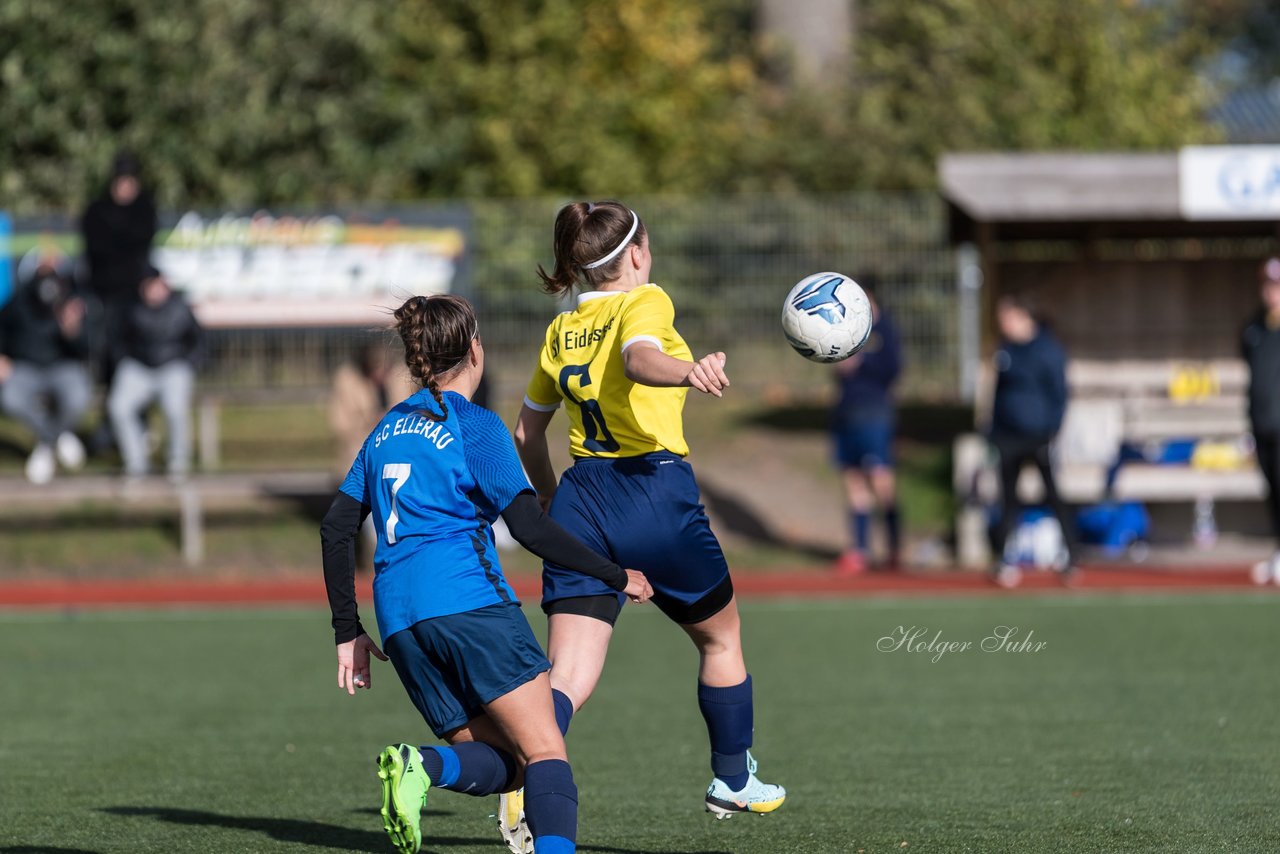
[1145, 724]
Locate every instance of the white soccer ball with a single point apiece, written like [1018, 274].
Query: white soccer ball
[827, 317]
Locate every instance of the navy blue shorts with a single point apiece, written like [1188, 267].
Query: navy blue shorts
[643, 513]
[864, 444]
[453, 665]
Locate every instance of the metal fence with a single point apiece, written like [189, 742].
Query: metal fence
[727, 262]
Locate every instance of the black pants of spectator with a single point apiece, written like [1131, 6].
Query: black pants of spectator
[105, 359]
[1016, 452]
[1269, 462]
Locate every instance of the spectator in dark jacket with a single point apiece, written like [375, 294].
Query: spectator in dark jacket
[159, 347]
[43, 344]
[863, 426]
[1027, 412]
[118, 228]
[1260, 344]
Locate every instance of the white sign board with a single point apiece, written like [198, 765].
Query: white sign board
[1226, 182]
[264, 270]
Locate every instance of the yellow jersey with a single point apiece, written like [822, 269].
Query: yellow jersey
[581, 363]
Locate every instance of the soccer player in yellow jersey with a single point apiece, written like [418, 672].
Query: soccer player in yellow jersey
[622, 372]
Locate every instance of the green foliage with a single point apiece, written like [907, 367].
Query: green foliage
[560, 94]
[956, 75]
[228, 101]
[246, 102]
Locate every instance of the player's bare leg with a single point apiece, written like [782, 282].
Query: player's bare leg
[576, 647]
[719, 643]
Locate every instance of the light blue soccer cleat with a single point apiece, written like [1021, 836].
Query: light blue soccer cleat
[404, 794]
[757, 797]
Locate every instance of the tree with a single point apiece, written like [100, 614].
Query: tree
[516, 98]
[247, 102]
[947, 75]
[285, 102]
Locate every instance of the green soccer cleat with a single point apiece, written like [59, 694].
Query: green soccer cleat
[404, 794]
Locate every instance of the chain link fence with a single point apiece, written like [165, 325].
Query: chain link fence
[727, 262]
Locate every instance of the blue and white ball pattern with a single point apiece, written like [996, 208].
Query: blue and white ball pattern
[827, 317]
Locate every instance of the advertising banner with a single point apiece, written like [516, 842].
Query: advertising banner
[270, 269]
[1229, 182]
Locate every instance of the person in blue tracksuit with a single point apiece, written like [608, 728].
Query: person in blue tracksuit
[435, 473]
[1028, 409]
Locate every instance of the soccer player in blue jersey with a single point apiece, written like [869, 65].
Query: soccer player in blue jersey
[435, 473]
[622, 371]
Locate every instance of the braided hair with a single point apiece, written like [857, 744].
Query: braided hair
[437, 332]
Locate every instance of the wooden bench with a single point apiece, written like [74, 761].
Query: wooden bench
[1135, 402]
[190, 499]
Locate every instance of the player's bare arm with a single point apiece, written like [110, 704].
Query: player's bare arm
[531, 444]
[646, 364]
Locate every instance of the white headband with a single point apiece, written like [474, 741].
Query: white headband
[635, 223]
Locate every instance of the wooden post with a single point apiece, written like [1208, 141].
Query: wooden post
[210, 438]
[192, 524]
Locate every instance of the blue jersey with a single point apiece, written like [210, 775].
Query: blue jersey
[433, 489]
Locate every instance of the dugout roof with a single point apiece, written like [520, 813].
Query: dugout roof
[1055, 196]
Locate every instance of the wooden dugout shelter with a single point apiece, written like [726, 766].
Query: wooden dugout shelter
[1145, 266]
[1104, 244]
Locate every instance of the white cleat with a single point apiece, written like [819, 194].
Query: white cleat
[512, 824]
[756, 797]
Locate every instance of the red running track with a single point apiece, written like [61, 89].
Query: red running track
[304, 590]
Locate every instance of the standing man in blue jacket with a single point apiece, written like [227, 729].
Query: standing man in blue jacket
[1030, 402]
[863, 426]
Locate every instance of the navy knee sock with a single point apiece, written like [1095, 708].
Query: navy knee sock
[860, 527]
[471, 768]
[551, 806]
[893, 529]
[729, 716]
[564, 710]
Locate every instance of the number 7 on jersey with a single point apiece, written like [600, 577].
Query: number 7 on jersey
[397, 473]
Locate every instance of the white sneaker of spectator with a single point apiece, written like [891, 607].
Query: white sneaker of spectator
[70, 451]
[40, 465]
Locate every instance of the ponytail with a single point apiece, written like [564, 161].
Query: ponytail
[437, 332]
[588, 242]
